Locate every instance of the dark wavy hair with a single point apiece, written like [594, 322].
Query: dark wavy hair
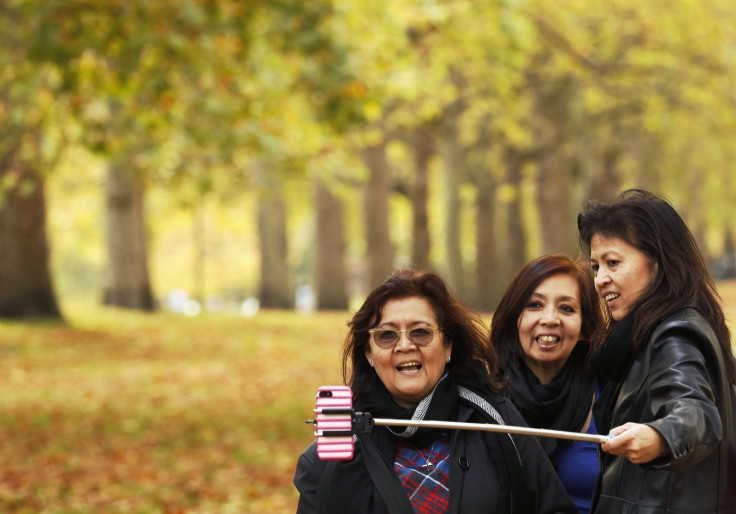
[458, 323]
[505, 324]
[651, 224]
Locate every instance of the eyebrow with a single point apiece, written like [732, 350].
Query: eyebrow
[563, 298]
[411, 324]
[606, 254]
[569, 298]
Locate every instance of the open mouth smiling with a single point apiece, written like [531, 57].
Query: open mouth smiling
[611, 296]
[409, 367]
[547, 340]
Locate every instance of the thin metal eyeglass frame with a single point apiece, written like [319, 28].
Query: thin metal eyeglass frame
[373, 331]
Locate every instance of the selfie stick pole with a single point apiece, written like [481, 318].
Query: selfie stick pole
[506, 429]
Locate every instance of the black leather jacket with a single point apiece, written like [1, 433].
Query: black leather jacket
[677, 386]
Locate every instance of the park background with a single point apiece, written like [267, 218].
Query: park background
[196, 194]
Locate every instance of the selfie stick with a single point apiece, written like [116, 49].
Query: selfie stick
[336, 422]
[457, 425]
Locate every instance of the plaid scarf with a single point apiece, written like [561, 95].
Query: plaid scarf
[425, 474]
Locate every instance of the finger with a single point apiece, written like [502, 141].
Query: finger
[617, 439]
[621, 429]
[606, 446]
[616, 431]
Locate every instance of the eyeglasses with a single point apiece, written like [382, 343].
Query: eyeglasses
[388, 337]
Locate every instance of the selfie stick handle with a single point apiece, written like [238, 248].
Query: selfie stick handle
[506, 429]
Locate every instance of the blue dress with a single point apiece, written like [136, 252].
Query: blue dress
[577, 467]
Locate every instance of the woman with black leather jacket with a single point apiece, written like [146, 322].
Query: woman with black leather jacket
[669, 397]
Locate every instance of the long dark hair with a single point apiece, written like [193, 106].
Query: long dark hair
[459, 324]
[649, 223]
[505, 324]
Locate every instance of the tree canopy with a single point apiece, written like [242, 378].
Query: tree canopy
[462, 136]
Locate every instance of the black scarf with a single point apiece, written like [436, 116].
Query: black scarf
[439, 405]
[559, 405]
[611, 360]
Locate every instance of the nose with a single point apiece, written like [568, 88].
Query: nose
[601, 279]
[549, 316]
[404, 342]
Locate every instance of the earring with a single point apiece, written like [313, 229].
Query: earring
[370, 362]
[448, 358]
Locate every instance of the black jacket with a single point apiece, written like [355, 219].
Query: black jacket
[676, 385]
[473, 481]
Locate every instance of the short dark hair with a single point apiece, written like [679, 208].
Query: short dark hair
[651, 224]
[458, 323]
[505, 327]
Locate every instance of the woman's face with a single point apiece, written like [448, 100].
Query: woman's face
[408, 371]
[549, 325]
[622, 273]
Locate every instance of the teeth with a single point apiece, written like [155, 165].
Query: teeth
[611, 296]
[548, 339]
[408, 365]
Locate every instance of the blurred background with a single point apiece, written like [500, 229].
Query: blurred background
[232, 150]
[251, 158]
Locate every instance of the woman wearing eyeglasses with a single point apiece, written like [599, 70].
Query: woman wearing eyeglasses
[415, 351]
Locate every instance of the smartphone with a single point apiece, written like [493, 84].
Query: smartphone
[334, 423]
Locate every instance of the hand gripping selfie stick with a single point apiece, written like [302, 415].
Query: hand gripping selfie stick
[336, 422]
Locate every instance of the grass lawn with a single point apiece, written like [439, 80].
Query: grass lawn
[119, 411]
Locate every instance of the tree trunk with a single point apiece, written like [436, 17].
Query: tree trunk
[489, 287]
[454, 165]
[555, 206]
[275, 290]
[128, 278]
[513, 253]
[27, 290]
[725, 266]
[376, 207]
[331, 279]
[422, 146]
[604, 187]
[651, 174]
[555, 192]
[199, 251]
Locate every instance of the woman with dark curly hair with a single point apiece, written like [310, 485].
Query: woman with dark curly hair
[414, 351]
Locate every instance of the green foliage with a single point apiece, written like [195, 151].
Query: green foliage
[307, 29]
[216, 102]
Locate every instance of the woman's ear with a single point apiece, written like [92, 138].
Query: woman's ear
[369, 357]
